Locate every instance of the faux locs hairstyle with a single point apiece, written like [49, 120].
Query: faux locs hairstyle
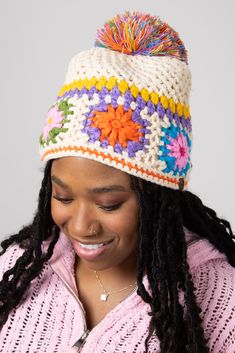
[162, 254]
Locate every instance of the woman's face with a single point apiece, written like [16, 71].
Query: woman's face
[94, 205]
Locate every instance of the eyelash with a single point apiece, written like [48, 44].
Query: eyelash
[62, 200]
[111, 208]
[104, 208]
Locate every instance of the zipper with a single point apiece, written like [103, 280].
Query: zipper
[85, 329]
[81, 341]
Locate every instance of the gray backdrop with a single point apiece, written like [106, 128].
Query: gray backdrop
[38, 38]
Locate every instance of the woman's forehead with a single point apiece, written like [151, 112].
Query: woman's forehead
[86, 170]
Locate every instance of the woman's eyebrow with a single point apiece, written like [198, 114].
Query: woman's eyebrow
[109, 188]
[59, 182]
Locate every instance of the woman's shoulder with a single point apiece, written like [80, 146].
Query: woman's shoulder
[210, 269]
[214, 281]
[201, 251]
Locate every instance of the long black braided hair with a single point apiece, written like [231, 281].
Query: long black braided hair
[162, 255]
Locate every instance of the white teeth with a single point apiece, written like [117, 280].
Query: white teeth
[91, 246]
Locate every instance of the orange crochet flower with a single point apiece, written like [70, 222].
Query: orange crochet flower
[116, 125]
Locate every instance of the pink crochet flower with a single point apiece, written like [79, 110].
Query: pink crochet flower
[180, 150]
[54, 118]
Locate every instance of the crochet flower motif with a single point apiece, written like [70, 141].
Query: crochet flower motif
[175, 150]
[180, 150]
[54, 118]
[55, 121]
[116, 126]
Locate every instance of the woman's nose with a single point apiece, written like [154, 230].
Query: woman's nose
[84, 223]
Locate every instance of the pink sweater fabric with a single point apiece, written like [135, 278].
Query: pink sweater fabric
[51, 318]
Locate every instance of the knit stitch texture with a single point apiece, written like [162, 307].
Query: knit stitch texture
[51, 319]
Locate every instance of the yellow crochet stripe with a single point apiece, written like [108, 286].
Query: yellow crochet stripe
[123, 86]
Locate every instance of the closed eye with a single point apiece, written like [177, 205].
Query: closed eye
[107, 208]
[111, 207]
[63, 199]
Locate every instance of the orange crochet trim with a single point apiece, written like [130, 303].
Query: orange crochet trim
[103, 155]
[116, 125]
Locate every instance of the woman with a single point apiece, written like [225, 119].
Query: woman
[119, 256]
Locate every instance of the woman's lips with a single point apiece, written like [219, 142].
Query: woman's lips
[90, 252]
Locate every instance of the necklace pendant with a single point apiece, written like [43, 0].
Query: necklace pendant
[104, 297]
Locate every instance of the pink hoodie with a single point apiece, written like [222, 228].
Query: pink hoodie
[51, 318]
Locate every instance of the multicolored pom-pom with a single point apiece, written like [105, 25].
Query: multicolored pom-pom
[134, 33]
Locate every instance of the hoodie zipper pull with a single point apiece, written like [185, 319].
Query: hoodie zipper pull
[80, 342]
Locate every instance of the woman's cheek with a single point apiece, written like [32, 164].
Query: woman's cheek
[125, 222]
[58, 213]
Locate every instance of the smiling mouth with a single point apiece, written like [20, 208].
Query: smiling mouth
[91, 251]
[93, 246]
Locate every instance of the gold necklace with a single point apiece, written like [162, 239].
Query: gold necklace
[104, 296]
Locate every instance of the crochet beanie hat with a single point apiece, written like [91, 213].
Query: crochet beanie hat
[124, 103]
